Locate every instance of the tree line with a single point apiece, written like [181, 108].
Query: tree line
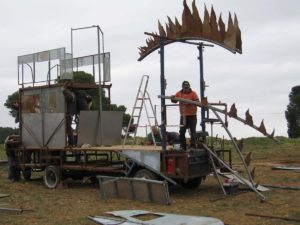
[292, 113]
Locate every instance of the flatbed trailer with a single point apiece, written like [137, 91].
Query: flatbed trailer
[44, 144]
[186, 168]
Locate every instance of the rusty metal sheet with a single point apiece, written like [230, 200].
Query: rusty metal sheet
[53, 100]
[193, 28]
[43, 118]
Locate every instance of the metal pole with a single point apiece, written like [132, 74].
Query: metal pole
[155, 114]
[14, 210]
[102, 34]
[49, 68]
[22, 75]
[202, 86]
[43, 119]
[72, 49]
[162, 91]
[100, 87]
[94, 68]
[32, 73]
[18, 71]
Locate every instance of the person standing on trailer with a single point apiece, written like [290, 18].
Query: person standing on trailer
[188, 114]
[70, 99]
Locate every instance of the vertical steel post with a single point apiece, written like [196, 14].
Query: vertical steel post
[49, 68]
[33, 73]
[100, 87]
[162, 92]
[202, 86]
[42, 116]
[94, 69]
[18, 71]
[102, 52]
[71, 51]
[22, 74]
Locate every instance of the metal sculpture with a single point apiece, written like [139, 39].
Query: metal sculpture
[194, 28]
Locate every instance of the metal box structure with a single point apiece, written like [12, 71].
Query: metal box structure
[44, 124]
[43, 117]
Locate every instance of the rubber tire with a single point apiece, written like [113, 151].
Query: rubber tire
[193, 183]
[26, 174]
[146, 174]
[52, 176]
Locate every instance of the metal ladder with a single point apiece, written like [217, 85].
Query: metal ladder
[140, 103]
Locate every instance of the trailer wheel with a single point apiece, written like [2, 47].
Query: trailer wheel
[193, 183]
[146, 174]
[52, 176]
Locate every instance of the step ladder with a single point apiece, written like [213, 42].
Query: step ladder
[142, 101]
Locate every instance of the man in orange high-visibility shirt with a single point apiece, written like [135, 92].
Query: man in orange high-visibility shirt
[188, 114]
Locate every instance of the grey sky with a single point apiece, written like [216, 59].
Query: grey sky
[259, 79]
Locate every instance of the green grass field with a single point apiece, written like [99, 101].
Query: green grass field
[72, 205]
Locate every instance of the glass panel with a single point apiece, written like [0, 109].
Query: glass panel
[106, 67]
[47, 59]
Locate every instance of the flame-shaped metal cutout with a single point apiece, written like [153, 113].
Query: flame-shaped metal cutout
[252, 173]
[192, 28]
[249, 119]
[262, 127]
[240, 144]
[248, 158]
[233, 111]
[272, 134]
